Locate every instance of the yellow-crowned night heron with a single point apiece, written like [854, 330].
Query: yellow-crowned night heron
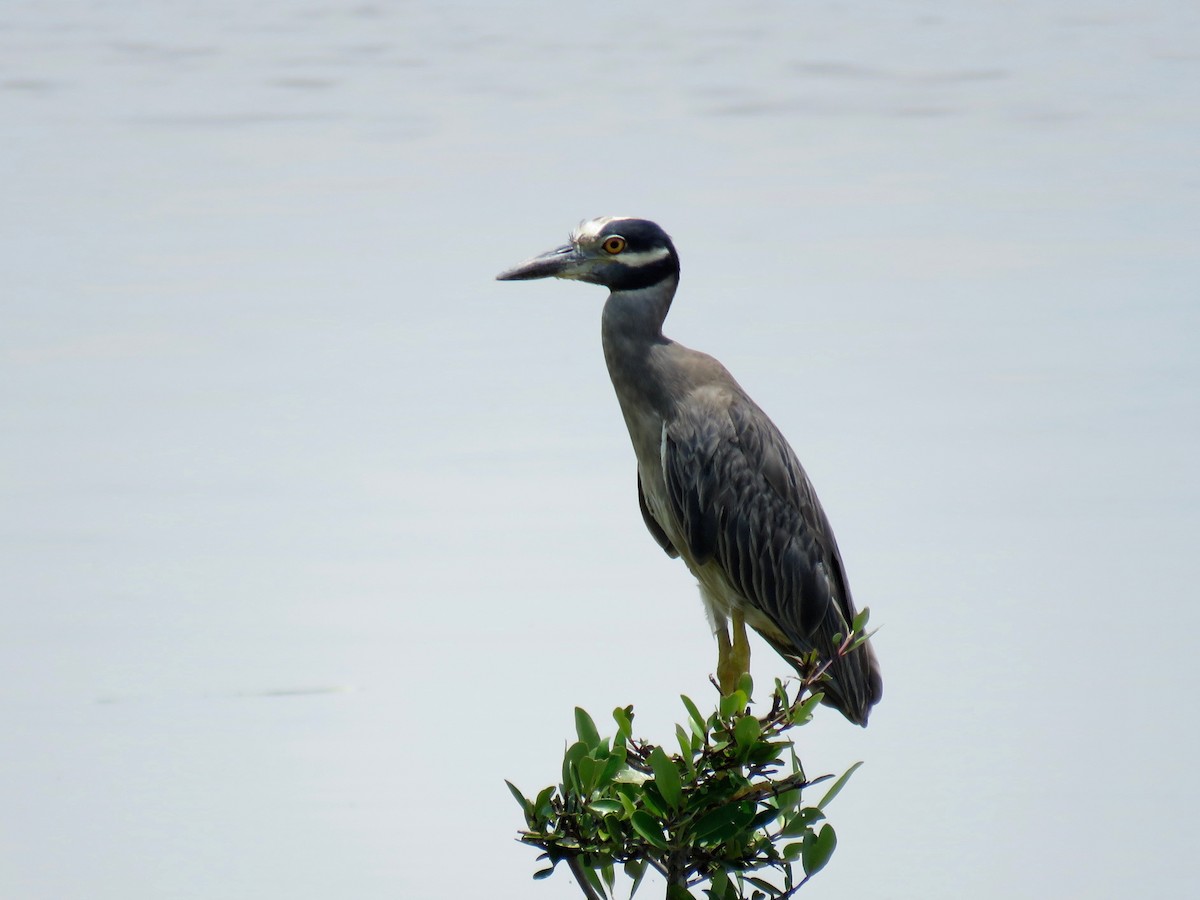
[717, 483]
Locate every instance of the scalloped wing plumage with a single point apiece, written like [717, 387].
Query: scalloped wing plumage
[742, 500]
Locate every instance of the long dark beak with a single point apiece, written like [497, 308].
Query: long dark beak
[561, 262]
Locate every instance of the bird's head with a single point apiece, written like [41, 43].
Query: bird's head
[620, 253]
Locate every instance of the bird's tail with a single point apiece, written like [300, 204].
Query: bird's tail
[853, 683]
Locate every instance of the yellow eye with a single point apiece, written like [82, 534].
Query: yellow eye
[614, 244]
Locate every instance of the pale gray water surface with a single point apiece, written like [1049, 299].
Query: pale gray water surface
[312, 533]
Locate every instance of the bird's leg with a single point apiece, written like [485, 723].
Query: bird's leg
[726, 676]
[741, 645]
[733, 657]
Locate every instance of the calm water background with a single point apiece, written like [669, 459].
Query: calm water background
[312, 533]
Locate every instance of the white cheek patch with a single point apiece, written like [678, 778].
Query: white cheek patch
[644, 257]
[590, 233]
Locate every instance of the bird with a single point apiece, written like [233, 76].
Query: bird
[717, 483]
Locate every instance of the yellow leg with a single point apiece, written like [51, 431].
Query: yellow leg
[741, 644]
[733, 658]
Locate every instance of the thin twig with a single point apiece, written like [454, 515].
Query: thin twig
[775, 788]
[581, 879]
[792, 890]
[656, 865]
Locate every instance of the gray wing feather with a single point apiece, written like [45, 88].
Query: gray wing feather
[743, 500]
[656, 530]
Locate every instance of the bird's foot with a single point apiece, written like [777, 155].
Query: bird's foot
[733, 656]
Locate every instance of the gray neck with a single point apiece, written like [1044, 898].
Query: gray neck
[630, 328]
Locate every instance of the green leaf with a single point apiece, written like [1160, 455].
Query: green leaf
[586, 728]
[685, 749]
[781, 692]
[765, 751]
[616, 827]
[746, 684]
[654, 801]
[623, 716]
[526, 806]
[593, 878]
[732, 704]
[610, 769]
[635, 869]
[746, 732]
[541, 806]
[860, 621]
[862, 639]
[788, 799]
[797, 767]
[800, 822]
[543, 873]
[666, 776]
[802, 713]
[693, 710]
[589, 773]
[817, 849]
[696, 722]
[719, 882]
[764, 817]
[626, 803]
[724, 822]
[575, 752]
[761, 883]
[838, 785]
[610, 878]
[647, 826]
[604, 807]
